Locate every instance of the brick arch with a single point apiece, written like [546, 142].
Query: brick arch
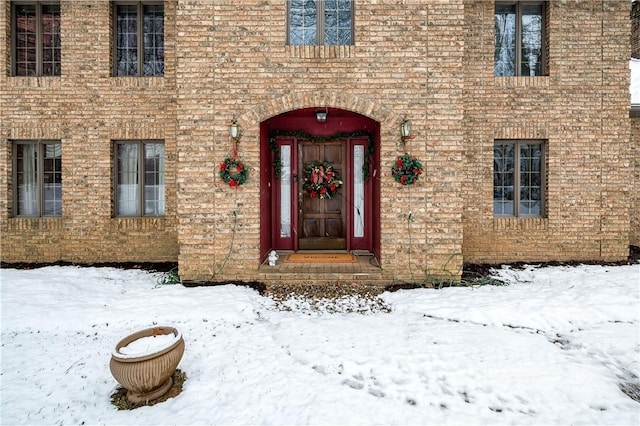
[266, 114]
[298, 100]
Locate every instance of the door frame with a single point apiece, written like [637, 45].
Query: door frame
[283, 130]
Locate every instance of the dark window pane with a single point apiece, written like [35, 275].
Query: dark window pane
[303, 22]
[127, 40]
[154, 179]
[531, 62]
[337, 22]
[51, 40]
[27, 179]
[505, 40]
[153, 40]
[127, 180]
[25, 33]
[52, 177]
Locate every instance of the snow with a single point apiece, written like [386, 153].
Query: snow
[146, 345]
[554, 346]
[634, 87]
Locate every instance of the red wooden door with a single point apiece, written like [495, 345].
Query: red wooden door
[322, 222]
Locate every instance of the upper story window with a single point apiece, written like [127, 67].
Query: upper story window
[139, 178]
[518, 178]
[520, 47]
[36, 38]
[37, 177]
[138, 39]
[320, 22]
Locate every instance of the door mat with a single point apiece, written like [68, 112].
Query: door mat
[320, 258]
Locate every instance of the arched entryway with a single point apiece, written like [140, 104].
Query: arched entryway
[296, 218]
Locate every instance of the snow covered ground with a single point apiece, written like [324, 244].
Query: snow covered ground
[552, 347]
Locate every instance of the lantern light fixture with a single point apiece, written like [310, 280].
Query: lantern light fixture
[321, 116]
[405, 131]
[234, 129]
[405, 128]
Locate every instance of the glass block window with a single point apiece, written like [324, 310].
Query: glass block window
[138, 39]
[36, 39]
[320, 22]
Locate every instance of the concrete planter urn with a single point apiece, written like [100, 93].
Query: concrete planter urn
[144, 362]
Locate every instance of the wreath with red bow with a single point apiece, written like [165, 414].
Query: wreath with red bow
[407, 169]
[320, 180]
[233, 172]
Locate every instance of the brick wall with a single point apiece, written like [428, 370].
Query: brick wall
[634, 237]
[581, 110]
[86, 109]
[635, 29]
[430, 62]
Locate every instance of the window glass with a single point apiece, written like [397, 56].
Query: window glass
[140, 179]
[52, 180]
[153, 40]
[127, 40]
[337, 22]
[127, 185]
[303, 22]
[505, 40]
[530, 179]
[358, 191]
[285, 192]
[518, 180]
[27, 180]
[531, 48]
[51, 40]
[139, 40]
[503, 179]
[320, 22]
[38, 177]
[154, 179]
[518, 39]
[36, 39]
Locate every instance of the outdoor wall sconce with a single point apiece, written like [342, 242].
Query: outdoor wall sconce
[234, 129]
[321, 116]
[405, 131]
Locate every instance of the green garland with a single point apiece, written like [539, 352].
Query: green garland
[407, 169]
[320, 180]
[277, 161]
[233, 172]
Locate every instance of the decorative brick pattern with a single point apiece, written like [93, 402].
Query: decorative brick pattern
[429, 61]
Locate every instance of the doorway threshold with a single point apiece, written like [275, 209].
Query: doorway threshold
[365, 263]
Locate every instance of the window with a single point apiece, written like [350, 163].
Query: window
[320, 22]
[518, 178]
[139, 39]
[37, 174]
[36, 38]
[139, 178]
[520, 46]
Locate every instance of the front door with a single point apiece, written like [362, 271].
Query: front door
[290, 218]
[322, 221]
